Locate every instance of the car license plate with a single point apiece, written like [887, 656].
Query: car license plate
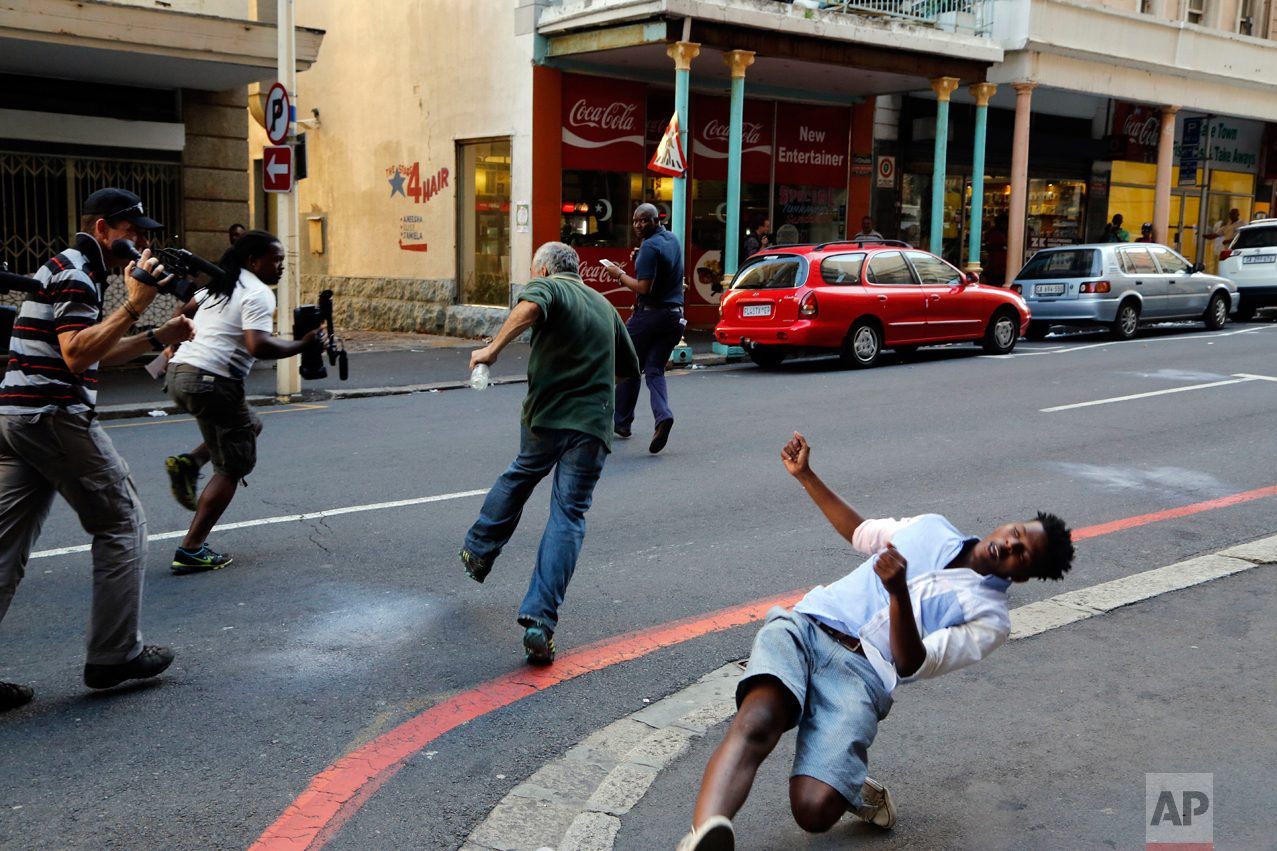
[756, 310]
[1049, 289]
[1247, 259]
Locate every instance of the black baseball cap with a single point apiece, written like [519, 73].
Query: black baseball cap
[119, 204]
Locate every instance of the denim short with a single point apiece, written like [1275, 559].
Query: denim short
[228, 425]
[841, 696]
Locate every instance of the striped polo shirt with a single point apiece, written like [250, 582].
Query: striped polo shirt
[70, 298]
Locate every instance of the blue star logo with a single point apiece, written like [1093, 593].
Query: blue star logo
[396, 184]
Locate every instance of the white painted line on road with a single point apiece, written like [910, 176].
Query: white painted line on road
[1144, 395]
[1254, 377]
[1064, 349]
[289, 518]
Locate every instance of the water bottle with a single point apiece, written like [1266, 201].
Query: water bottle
[479, 377]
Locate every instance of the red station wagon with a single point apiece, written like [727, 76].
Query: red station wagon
[858, 298]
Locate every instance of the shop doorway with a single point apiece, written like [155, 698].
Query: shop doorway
[483, 218]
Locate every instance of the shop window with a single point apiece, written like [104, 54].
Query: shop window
[483, 200]
[1055, 212]
[709, 212]
[598, 207]
[807, 214]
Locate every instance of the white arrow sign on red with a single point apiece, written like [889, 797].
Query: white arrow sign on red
[277, 168]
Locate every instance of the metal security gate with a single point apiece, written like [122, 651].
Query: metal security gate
[40, 198]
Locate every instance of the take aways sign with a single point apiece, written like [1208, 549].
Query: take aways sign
[602, 124]
[812, 144]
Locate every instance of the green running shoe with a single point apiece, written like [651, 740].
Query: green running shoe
[538, 645]
[475, 568]
[203, 559]
[183, 475]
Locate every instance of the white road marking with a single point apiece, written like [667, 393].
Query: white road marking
[1254, 377]
[289, 518]
[1144, 395]
[1063, 348]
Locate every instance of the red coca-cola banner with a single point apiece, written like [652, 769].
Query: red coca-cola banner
[660, 107]
[595, 275]
[812, 144]
[602, 124]
[1137, 127]
[711, 126]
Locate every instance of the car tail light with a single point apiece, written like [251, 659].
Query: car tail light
[808, 307]
[1018, 288]
[1225, 253]
[1094, 287]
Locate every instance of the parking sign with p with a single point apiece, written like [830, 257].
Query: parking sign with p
[277, 114]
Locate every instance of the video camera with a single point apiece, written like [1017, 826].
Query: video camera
[178, 262]
[10, 282]
[307, 318]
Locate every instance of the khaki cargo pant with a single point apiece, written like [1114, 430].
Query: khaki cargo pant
[70, 454]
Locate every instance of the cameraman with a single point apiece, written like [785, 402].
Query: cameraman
[233, 322]
[50, 439]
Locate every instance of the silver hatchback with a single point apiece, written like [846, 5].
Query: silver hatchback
[1120, 286]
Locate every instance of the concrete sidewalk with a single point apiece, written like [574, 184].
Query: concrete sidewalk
[381, 364]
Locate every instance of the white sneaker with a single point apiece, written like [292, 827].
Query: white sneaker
[716, 834]
[876, 807]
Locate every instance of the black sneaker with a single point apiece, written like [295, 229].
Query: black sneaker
[621, 433]
[538, 645]
[661, 435]
[203, 559]
[151, 662]
[183, 475]
[13, 695]
[476, 568]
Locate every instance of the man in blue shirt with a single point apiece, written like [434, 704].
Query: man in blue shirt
[657, 324]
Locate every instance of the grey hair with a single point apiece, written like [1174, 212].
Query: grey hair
[556, 257]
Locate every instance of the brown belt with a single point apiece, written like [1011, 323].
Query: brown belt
[852, 644]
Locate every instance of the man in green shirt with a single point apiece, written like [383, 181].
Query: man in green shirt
[579, 348]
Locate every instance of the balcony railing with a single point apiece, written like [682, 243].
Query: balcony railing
[973, 17]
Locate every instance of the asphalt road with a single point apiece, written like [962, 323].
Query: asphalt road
[326, 633]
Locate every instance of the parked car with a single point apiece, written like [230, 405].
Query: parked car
[859, 298]
[1120, 286]
[1250, 262]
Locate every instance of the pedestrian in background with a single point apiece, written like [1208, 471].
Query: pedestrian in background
[50, 439]
[1114, 232]
[233, 317]
[579, 349]
[657, 323]
[866, 231]
[995, 243]
[235, 232]
[758, 240]
[1146, 232]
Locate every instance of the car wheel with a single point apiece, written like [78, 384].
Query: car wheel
[1245, 313]
[768, 357]
[1003, 331]
[1127, 321]
[1037, 331]
[1217, 312]
[862, 347]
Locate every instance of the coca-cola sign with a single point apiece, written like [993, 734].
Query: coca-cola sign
[595, 275]
[602, 124]
[712, 134]
[614, 116]
[1137, 128]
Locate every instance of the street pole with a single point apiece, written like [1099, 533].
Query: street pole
[682, 52]
[982, 92]
[288, 379]
[737, 61]
[943, 87]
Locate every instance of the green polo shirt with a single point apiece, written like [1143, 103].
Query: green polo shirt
[579, 348]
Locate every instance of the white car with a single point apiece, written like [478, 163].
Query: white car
[1250, 262]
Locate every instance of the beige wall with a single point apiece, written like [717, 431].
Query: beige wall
[399, 83]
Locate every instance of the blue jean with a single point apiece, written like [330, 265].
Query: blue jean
[655, 334]
[577, 459]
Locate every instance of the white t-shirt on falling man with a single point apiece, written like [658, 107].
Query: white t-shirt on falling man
[220, 324]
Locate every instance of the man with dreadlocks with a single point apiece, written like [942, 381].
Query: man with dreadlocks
[928, 601]
[233, 321]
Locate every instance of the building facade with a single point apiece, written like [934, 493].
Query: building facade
[452, 139]
[84, 105]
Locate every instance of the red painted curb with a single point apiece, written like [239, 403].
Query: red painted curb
[338, 792]
[1195, 508]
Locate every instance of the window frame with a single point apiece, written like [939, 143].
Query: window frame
[860, 276]
[917, 273]
[914, 282]
[804, 269]
[1155, 250]
[1124, 253]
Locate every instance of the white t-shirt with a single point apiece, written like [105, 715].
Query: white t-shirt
[220, 324]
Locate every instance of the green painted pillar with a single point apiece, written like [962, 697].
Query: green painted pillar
[682, 52]
[943, 87]
[982, 92]
[737, 61]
